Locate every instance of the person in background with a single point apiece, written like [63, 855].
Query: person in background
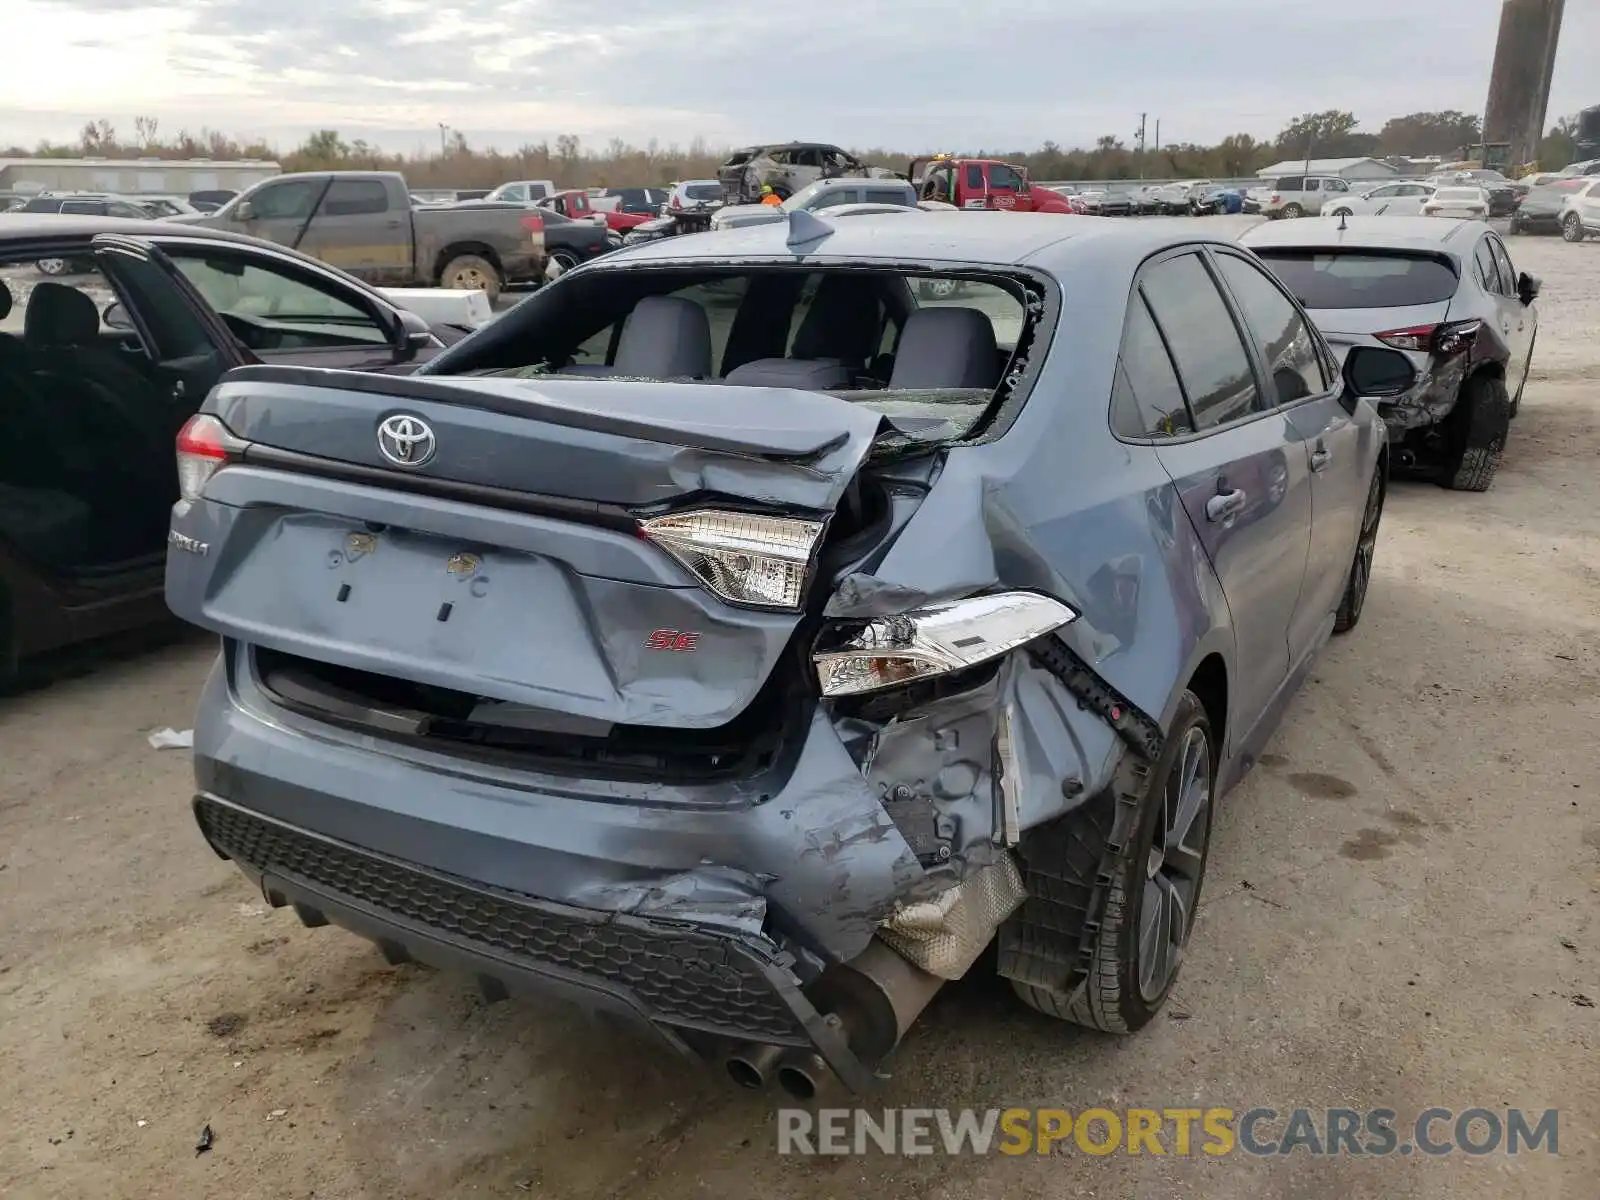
[768, 196]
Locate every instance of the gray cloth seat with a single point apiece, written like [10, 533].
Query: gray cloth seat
[843, 322]
[664, 337]
[806, 374]
[946, 347]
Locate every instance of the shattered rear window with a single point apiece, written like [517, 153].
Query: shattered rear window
[864, 336]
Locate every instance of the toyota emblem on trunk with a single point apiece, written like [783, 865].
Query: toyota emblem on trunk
[406, 441]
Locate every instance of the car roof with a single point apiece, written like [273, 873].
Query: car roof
[988, 238]
[1376, 233]
[29, 227]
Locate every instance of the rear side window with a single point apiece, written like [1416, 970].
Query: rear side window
[889, 196]
[1147, 401]
[704, 191]
[1287, 344]
[1290, 183]
[1352, 279]
[93, 208]
[1483, 264]
[1205, 343]
[353, 197]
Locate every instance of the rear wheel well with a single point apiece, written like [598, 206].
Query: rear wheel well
[1493, 368]
[457, 249]
[1209, 683]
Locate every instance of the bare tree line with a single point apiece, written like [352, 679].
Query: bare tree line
[1329, 134]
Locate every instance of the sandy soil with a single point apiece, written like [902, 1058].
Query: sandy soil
[1403, 910]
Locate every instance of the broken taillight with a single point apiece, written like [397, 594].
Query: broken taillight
[744, 558]
[852, 657]
[1446, 340]
[204, 445]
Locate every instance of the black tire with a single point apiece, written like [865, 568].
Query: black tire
[1475, 434]
[1355, 588]
[1293, 212]
[1572, 228]
[566, 258]
[472, 271]
[1114, 996]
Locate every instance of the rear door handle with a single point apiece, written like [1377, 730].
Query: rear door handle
[1321, 457]
[1222, 507]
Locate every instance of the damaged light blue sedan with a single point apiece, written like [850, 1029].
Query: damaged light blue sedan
[746, 631]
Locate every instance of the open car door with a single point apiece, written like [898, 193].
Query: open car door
[188, 343]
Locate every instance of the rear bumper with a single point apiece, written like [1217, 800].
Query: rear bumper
[693, 987]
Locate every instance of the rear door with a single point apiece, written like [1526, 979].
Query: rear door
[1242, 474]
[1302, 384]
[1510, 319]
[1520, 319]
[360, 228]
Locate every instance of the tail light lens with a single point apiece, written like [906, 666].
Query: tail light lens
[204, 445]
[1446, 341]
[743, 558]
[866, 656]
[533, 223]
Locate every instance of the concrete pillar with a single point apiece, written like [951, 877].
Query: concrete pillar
[1519, 84]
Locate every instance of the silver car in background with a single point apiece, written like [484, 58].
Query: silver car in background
[1442, 292]
[1466, 203]
[1385, 200]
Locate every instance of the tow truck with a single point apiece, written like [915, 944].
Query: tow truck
[981, 183]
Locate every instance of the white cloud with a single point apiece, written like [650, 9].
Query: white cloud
[906, 73]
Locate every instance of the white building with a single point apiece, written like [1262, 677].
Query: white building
[132, 176]
[1339, 168]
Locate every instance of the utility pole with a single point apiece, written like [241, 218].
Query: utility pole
[443, 131]
[1158, 135]
[1140, 136]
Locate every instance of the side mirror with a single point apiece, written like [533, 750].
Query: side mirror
[1527, 288]
[116, 317]
[412, 335]
[1378, 373]
[244, 211]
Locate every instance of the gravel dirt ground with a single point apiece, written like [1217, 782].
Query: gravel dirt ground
[1403, 910]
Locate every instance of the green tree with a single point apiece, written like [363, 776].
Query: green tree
[1424, 133]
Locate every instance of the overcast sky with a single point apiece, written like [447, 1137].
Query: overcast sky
[908, 74]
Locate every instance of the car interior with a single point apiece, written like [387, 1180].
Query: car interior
[87, 421]
[842, 331]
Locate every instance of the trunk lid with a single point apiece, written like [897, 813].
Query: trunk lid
[505, 564]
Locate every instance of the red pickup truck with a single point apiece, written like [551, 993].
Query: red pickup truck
[574, 203]
[977, 183]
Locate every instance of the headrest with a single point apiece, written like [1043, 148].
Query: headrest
[842, 322]
[5, 300]
[665, 337]
[946, 348]
[59, 315]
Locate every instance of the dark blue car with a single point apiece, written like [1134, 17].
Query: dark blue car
[729, 638]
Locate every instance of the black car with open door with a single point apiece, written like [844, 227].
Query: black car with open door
[100, 371]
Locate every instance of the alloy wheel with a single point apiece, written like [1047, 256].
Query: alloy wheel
[1366, 548]
[1572, 228]
[1174, 865]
